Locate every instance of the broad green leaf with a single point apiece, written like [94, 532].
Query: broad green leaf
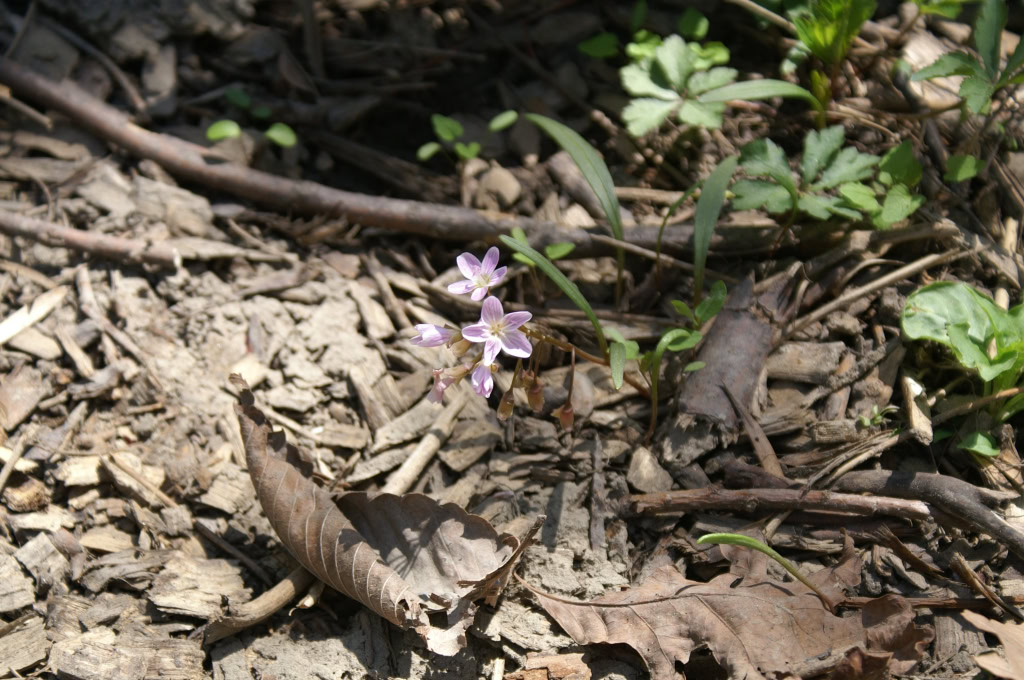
[849, 165]
[617, 363]
[590, 163]
[962, 167]
[709, 207]
[223, 129]
[601, 46]
[898, 205]
[282, 135]
[693, 24]
[977, 93]
[645, 115]
[974, 356]
[751, 90]
[643, 45]
[675, 60]
[840, 210]
[752, 194]
[899, 165]
[503, 120]
[712, 304]
[980, 443]
[637, 81]
[765, 157]
[467, 151]
[820, 147]
[988, 34]
[564, 284]
[427, 151]
[683, 309]
[818, 206]
[952, 64]
[236, 96]
[859, 196]
[447, 129]
[702, 81]
[556, 251]
[693, 112]
[1015, 61]
[709, 54]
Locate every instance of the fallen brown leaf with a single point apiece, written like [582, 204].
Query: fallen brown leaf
[404, 557]
[1012, 637]
[754, 625]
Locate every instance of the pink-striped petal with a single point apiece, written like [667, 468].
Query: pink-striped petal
[490, 260]
[478, 293]
[498, 276]
[468, 265]
[462, 287]
[477, 332]
[491, 313]
[514, 320]
[516, 344]
[482, 380]
[491, 348]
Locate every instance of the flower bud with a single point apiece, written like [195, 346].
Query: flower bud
[508, 402]
[565, 414]
[535, 395]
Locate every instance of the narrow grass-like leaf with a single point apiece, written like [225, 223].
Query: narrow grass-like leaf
[709, 207]
[617, 363]
[594, 171]
[760, 89]
[754, 544]
[988, 34]
[568, 287]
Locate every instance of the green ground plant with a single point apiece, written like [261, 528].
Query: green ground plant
[833, 182]
[449, 134]
[828, 29]
[278, 133]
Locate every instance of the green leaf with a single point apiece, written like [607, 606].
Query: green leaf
[752, 194]
[709, 54]
[899, 165]
[236, 96]
[632, 348]
[693, 24]
[751, 90]
[952, 64]
[261, 112]
[638, 81]
[447, 129]
[702, 81]
[859, 196]
[818, 206]
[712, 304]
[683, 343]
[467, 151]
[520, 235]
[427, 151]
[556, 251]
[1015, 61]
[974, 356]
[617, 363]
[977, 93]
[223, 129]
[565, 285]
[503, 120]
[590, 164]
[898, 205]
[675, 61]
[988, 34]
[828, 27]
[961, 167]
[638, 16]
[949, 9]
[849, 165]
[820, 148]
[642, 116]
[601, 46]
[704, 115]
[694, 366]
[643, 45]
[980, 443]
[670, 337]
[709, 207]
[282, 135]
[683, 309]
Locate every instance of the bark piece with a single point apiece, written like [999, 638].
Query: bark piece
[195, 587]
[25, 646]
[20, 393]
[230, 492]
[16, 590]
[400, 556]
[808, 362]
[132, 568]
[104, 655]
[41, 558]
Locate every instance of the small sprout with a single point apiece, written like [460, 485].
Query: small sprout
[503, 120]
[427, 151]
[447, 129]
[557, 251]
[223, 129]
[693, 24]
[282, 135]
[467, 151]
[236, 96]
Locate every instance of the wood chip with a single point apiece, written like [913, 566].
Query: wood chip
[231, 490]
[470, 440]
[79, 471]
[107, 539]
[42, 559]
[131, 568]
[806, 362]
[103, 655]
[16, 588]
[20, 393]
[25, 646]
[196, 587]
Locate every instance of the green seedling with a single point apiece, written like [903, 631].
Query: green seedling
[278, 133]
[876, 417]
[982, 75]
[754, 544]
[828, 28]
[833, 181]
[985, 339]
[449, 135]
[961, 167]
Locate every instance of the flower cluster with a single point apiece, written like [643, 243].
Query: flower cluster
[496, 330]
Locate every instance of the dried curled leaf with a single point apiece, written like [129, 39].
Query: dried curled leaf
[404, 557]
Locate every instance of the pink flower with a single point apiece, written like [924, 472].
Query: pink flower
[482, 380]
[431, 335]
[498, 331]
[480, 277]
[442, 381]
